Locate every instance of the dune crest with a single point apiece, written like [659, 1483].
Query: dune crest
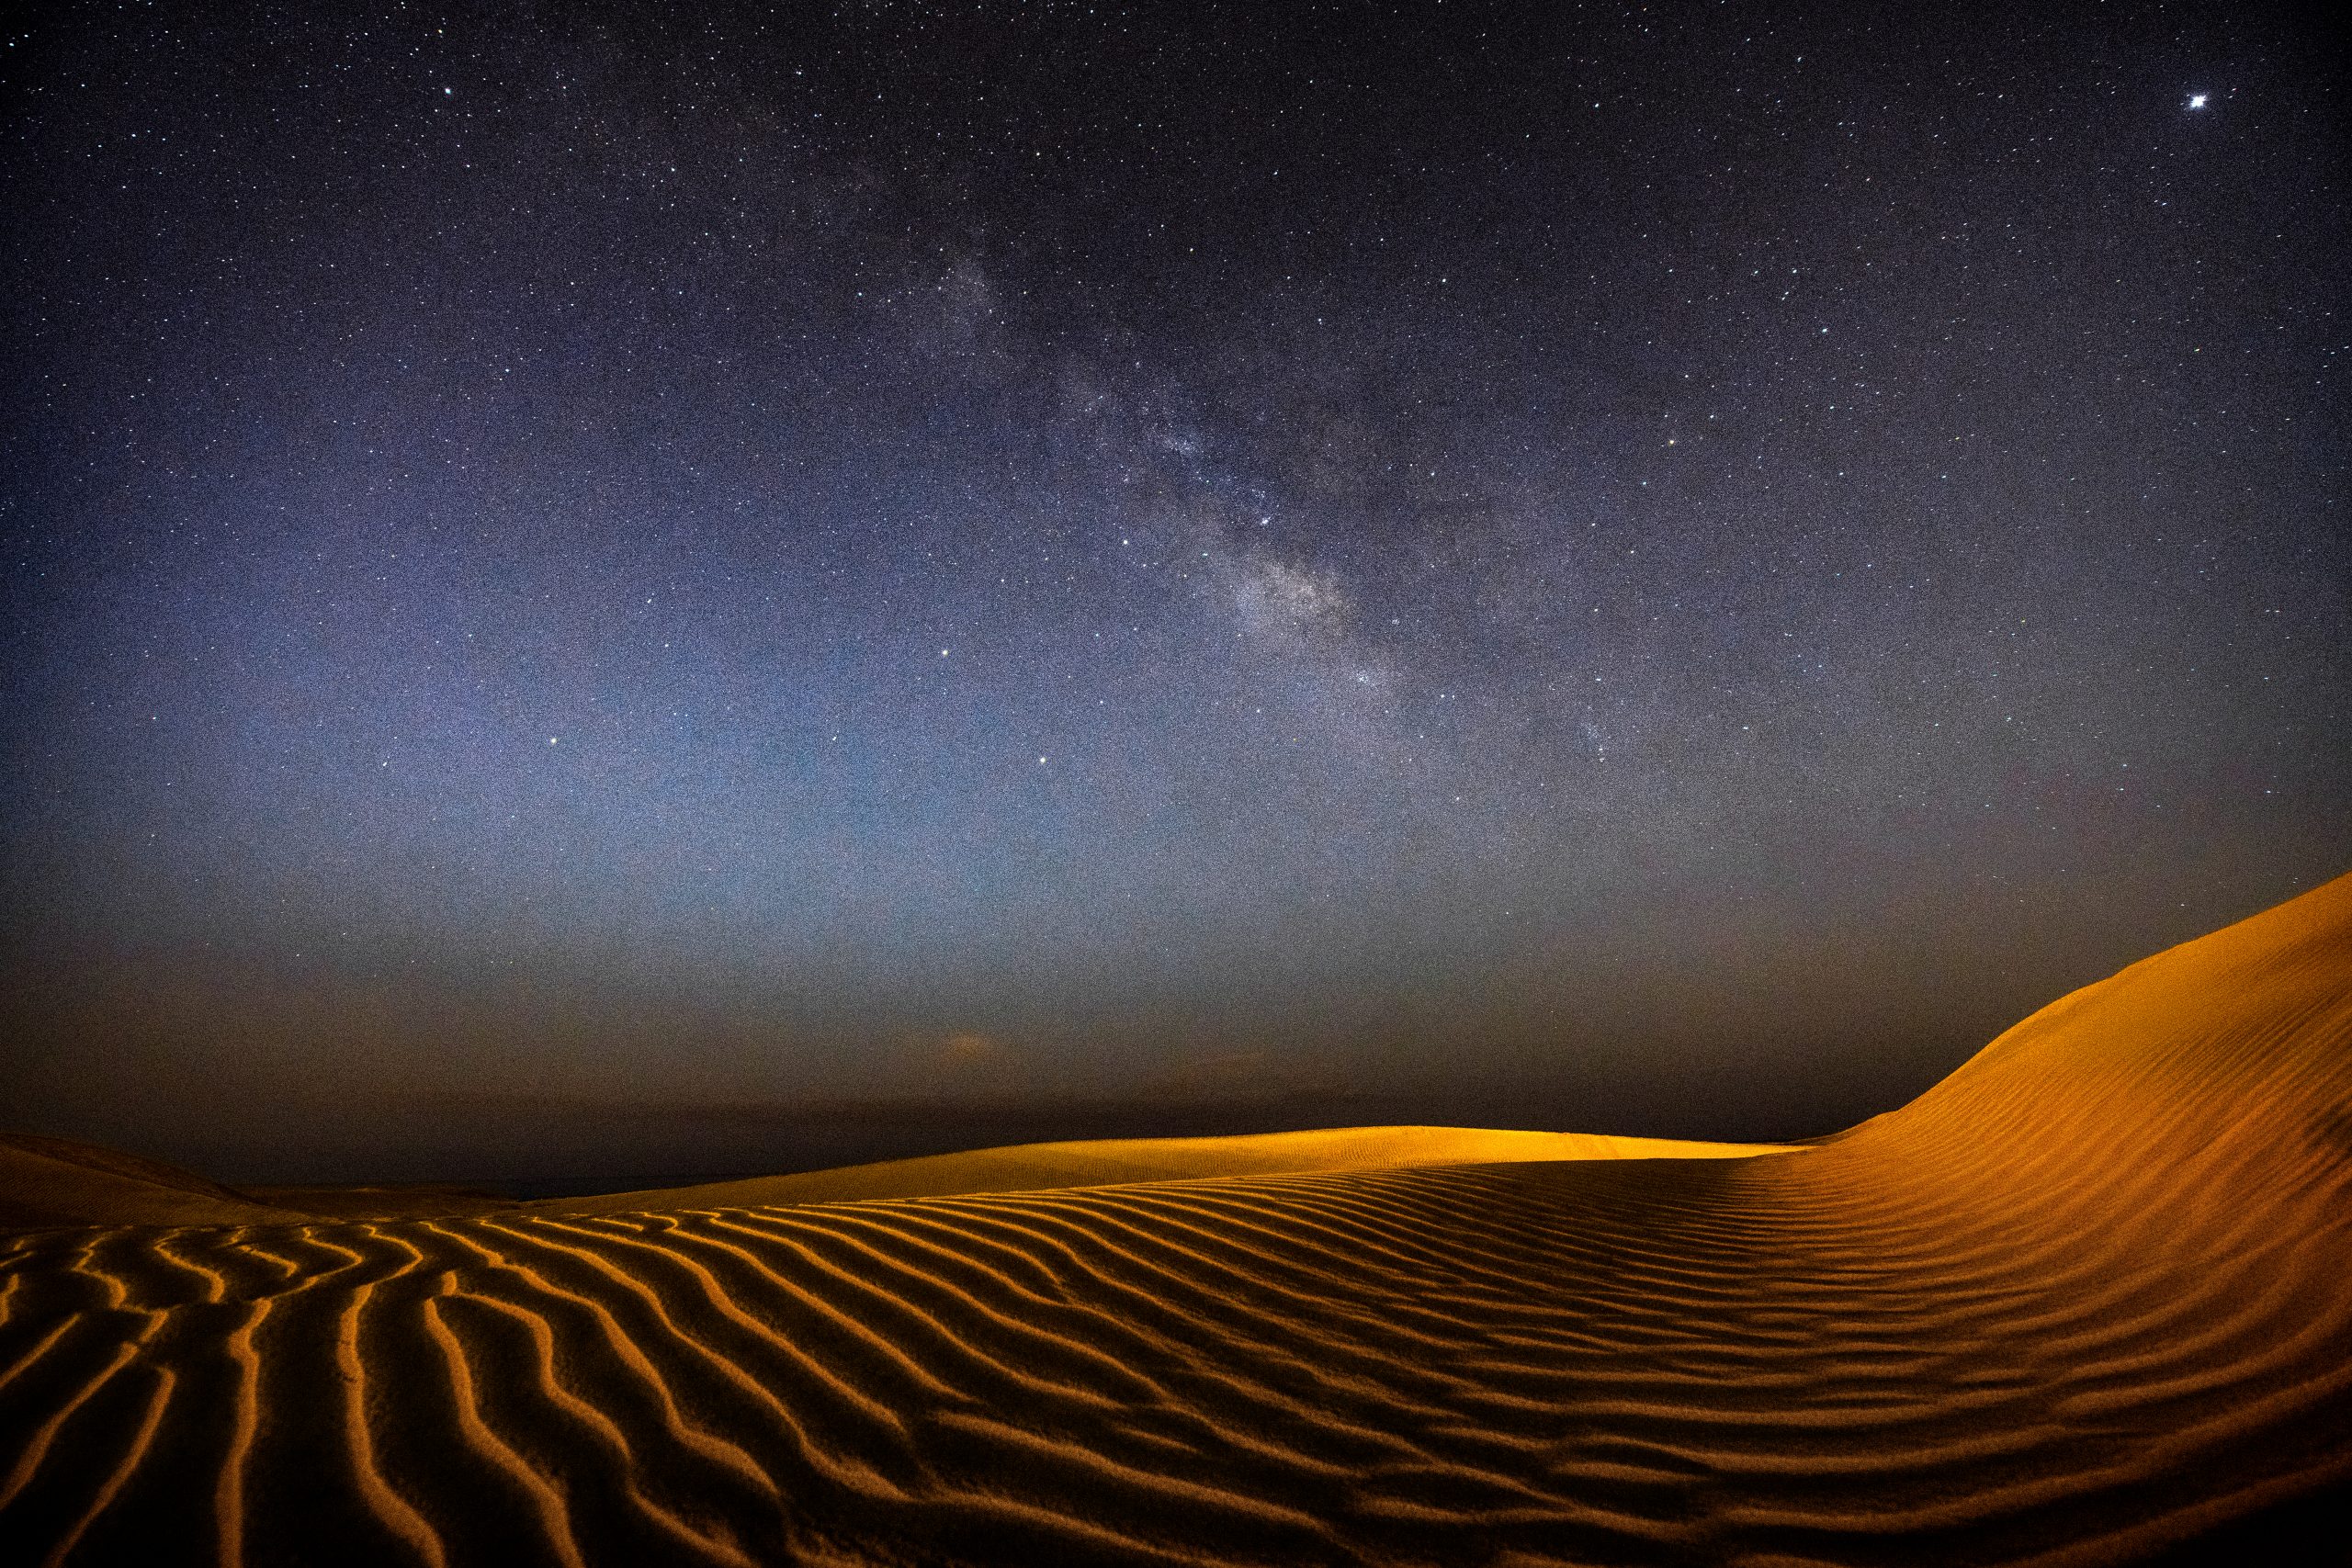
[2085, 1302]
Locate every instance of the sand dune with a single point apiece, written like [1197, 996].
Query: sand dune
[58, 1181]
[2087, 1301]
[1102, 1162]
[47, 1183]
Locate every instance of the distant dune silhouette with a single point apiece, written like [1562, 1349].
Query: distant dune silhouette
[2087, 1301]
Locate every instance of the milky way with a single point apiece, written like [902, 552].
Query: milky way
[1486, 555]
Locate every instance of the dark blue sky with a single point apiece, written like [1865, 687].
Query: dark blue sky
[1663, 570]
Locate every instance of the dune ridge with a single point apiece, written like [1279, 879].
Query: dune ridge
[2085, 1302]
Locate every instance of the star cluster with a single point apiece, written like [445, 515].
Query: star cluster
[1437, 550]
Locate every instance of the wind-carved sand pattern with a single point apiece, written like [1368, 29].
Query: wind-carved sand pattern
[2086, 1301]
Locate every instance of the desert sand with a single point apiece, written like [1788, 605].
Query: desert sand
[2086, 1301]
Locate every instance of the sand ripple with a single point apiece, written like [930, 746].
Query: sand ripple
[2085, 1302]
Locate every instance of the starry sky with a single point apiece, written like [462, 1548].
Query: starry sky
[768, 585]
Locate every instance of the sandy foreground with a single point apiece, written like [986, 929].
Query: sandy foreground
[2086, 1301]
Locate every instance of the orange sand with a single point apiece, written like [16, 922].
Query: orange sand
[1032, 1168]
[2087, 1301]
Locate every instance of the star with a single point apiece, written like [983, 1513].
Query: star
[1038, 425]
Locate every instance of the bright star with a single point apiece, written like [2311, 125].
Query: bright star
[2197, 100]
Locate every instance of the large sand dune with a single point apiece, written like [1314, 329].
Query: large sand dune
[2087, 1301]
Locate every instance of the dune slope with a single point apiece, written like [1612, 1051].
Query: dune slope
[2085, 1302]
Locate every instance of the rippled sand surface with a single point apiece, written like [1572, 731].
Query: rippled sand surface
[2087, 1301]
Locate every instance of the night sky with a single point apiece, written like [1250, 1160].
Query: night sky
[740, 576]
